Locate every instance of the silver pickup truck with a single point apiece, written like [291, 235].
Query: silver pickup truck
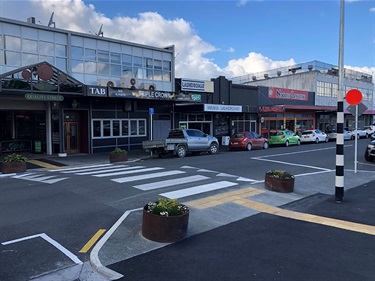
[181, 141]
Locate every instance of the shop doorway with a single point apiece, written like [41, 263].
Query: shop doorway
[72, 139]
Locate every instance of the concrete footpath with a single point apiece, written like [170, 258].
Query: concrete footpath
[249, 234]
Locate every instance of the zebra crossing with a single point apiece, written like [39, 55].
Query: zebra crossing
[202, 180]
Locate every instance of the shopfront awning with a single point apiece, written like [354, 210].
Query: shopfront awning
[40, 77]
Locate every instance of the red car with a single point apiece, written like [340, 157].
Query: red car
[247, 140]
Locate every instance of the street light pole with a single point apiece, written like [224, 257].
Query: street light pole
[339, 180]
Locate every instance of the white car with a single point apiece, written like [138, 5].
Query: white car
[370, 129]
[314, 136]
[347, 136]
[359, 134]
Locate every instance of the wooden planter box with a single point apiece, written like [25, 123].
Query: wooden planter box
[164, 229]
[13, 167]
[279, 185]
[118, 157]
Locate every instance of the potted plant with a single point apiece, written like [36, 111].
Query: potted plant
[118, 155]
[13, 163]
[279, 180]
[165, 220]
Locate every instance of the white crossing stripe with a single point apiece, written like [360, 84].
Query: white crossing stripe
[197, 189]
[109, 170]
[78, 168]
[148, 176]
[54, 180]
[128, 172]
[39, 178]
[166, 183]
[90, 169]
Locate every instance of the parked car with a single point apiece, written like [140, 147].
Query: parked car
[314, 136]
[247, 140]
[333, 135]
[284, 137]
[359, 134]
[370, 151]
[369, 129]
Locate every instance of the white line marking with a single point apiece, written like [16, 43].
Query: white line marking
[208, 171]
[189, 167]
[226, 175]
[78, 168]
[23, 175]
[166, 183]
[148, 176]
[94, 255]
[245, 179]
[128, 172]
[54, 180]
[291, 164]
[198, 189]
[110, 170]
[91, 169]
[44, 236]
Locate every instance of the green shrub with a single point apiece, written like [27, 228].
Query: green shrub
[166, 207]
[118, 150]
[281, 174]
[15, 158]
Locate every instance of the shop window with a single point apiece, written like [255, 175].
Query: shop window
[106, 128]
[125, 127]
[116, 127]
[29, 46]
[12, 58]
[77, 52]
[46, 48]
[12, 43]
[142, 127]
[96, 128]
[133, 127]
[90, 54]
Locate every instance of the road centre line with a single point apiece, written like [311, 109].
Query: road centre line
[92, 241]
[291, 164]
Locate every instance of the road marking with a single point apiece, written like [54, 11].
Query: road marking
[166, 183]
[128, 172]
[148, 176]
[43, 164]
[110, 170]
[198, 189]
[291, 164]
[81, 167]
[91, 169]
[92, 241]
[351, 226]
[44, 236]
[224, 198]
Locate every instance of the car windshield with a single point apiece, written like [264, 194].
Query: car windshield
[307, 133]
[280, 133]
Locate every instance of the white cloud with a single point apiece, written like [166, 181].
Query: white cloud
[192, 52]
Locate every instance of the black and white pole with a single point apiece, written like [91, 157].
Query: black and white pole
[339, 180]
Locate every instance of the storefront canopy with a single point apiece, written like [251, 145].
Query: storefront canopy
[41, 78]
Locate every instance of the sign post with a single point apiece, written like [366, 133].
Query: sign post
[354, 97]
[151, 110]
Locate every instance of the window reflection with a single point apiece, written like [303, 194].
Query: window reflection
[12, 58]
[77, 52]
[30, 46]
[12, 43]
[46, 48]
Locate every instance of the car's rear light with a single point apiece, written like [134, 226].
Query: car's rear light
[283, 137]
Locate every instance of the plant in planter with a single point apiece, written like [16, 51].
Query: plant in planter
[118, 155]
[279, 180]
[165, 220]
[13, 163]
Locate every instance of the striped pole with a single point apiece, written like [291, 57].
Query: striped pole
[339, 180]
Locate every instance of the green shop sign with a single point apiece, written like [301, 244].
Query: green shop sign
[44, 97]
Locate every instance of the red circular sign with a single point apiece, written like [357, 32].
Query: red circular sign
[353, 97]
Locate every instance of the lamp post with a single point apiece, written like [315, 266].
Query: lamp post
[339, 179]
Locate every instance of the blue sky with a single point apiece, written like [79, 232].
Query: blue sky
[229, 38]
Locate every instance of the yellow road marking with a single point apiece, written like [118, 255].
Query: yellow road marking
[239, 197]
[92, 241]
[43, 164]
[352, 226]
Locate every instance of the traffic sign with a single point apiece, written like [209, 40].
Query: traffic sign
[353, 97]
[361, 109]
[151, 111]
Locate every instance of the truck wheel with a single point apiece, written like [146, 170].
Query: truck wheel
[213, 148]
[181, 151]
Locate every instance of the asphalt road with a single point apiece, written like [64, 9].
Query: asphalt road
[72, 209]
